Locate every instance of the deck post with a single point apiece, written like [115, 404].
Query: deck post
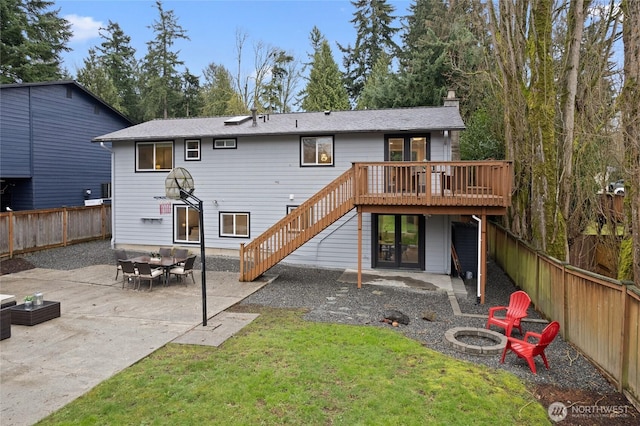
[359, 247]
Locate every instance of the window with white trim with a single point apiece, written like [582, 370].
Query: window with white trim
[234, 224]
[154, 156]
[186, 224]
[316, 151]
[225, 144]
[192, 149]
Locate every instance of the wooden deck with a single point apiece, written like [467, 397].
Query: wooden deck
[467, 187]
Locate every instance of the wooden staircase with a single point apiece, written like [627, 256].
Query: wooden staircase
[302, 224]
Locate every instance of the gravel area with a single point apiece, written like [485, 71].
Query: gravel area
[327, 299]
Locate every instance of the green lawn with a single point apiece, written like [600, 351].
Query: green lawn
[283, 370]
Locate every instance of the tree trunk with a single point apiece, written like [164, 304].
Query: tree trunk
[574, 41]
[631, 123]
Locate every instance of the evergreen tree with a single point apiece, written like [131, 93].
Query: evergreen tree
[161, 82]
[32, 38]
[380, 89]
[94, 76]
[192, 101]
[219, 96]
[373, 22]
[114, 60]
[324, 90]
[122, 67]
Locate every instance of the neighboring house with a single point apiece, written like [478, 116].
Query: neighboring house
[47, 159]
[335, 189]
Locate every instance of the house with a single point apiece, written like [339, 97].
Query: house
[47, 158]
[335, 189]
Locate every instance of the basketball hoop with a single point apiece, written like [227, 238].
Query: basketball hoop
[177, 183]
[179, 186]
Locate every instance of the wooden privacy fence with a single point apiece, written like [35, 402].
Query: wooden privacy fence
[597, 314]
[32, 230]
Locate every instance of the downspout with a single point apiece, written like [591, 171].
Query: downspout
[113, 211]
[479, 271]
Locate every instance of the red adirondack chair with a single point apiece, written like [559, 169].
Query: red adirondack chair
[528, 351]
[518, 304]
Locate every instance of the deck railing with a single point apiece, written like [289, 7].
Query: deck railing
[463, 183]
[400, 184]
[303, 223]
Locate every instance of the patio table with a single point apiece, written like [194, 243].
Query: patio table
[165, 262]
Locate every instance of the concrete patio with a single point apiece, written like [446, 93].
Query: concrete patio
[103, 329]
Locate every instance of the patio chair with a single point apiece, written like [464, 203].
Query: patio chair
[183, 271]
[129, 272]
[518, 304]
[146, 272]
[120, 255]
[181, 254]
[528, 351]
[165, 252]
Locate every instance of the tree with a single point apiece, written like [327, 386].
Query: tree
[119, 58]
[95, 77]
[111, 72]
[262, 88]
[324, 90]
[380, 89]
[32, 39]
[373, 22]
[192, 101]
[631, 125]
[219, 96]
[277, 93]
[162, 89]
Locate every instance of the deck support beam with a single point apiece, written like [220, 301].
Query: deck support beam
[359, 247]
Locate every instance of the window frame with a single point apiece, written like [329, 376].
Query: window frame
[322, 139]
[155, 144]
[303, 222]
[222, 234]
[177, 207]
[198, 150]
[233, 146]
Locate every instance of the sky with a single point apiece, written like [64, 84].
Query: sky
[212, 26]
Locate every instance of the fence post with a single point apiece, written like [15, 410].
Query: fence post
[11, 235]
[103, 220]
[65, 226]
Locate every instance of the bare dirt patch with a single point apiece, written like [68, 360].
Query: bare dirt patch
[589, 408]
[16, 264]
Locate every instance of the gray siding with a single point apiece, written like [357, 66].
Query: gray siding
[438, 244]
[258, 177]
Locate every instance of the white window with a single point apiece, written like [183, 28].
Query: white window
[192, 149]
[234, 224]
[224, 144]
[154, 156]
[186, 225]
[316, 151]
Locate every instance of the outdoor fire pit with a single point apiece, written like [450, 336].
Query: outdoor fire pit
[495, 342]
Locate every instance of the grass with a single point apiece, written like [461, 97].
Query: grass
[283, 370]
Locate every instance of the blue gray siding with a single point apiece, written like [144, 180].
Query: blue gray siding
[46, 136]
[258, 177]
